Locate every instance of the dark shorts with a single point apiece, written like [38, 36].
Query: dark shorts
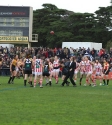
[64, 74]
[13, 68]
[64, 71]
[27, 71]
[106, 72]
[46, 74]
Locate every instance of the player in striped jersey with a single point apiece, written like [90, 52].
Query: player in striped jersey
[88, 70]
[56, 69]
[38, 67]
[97, 72]
[33, 68]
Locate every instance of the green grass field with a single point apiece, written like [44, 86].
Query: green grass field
[54, 105]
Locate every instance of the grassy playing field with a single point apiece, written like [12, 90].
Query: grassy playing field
[54, 105]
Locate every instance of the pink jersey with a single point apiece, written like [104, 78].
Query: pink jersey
[82, 66]
[98, 67]
[38, 65]
[56, 64]
[88, 66]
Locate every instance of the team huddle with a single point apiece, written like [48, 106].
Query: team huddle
[35, 70]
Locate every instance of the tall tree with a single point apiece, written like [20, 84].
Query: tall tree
[70, 26]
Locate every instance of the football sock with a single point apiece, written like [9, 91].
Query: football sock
[107, 81]
[10, 79]
[13, 78]
[47, 80]
[25, 82]
[30, 82]
[80, 80]
[104, 81]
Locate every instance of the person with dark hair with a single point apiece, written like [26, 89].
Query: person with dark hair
[97, 72]
[56, 66]
[46, 73]
[28, 69]
[106, 70]
[71, 68]
[13, 69]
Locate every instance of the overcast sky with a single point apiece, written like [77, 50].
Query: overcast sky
[74, 5]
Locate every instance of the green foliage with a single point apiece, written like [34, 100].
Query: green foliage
[70, 26]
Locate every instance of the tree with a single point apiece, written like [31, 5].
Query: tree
[69, 26]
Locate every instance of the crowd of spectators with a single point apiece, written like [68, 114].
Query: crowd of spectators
[8, 53]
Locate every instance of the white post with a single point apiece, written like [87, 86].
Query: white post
[29, 44]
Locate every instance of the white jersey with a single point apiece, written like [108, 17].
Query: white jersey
[88, 66]
[38, 65]
[98, 68]
[56, 64]
[82, 66]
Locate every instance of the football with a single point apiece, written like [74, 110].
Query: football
[52, 32]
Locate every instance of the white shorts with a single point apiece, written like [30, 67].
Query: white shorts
[38, 73]
[82, 72]
[89, 73]
[98, 74]
[51, 71]
[33, 72]
[17, 69]
[56, 70]
[76, 71]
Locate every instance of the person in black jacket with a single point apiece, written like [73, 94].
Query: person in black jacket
[71, 68]
[64, 64]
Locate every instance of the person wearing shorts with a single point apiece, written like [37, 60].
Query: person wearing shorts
[28, 69]
[82, 69]
[97, 73]
[13, 71]
[46, 73]
[38, 66]
[88, 70]
[106, 70]
[56, 69]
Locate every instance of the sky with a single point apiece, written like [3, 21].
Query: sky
[81, 6]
